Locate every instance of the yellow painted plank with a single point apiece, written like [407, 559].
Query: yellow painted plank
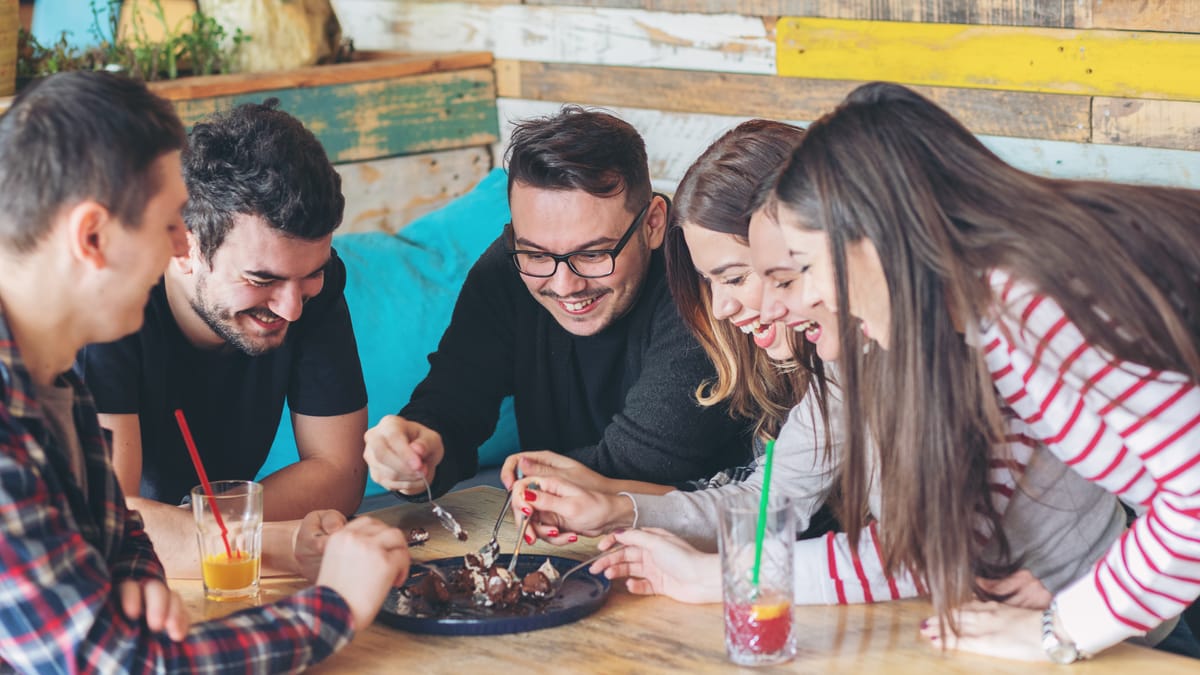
[1090, 62]
[1000, 113]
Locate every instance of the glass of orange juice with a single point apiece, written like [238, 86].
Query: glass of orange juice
[758, 616]
[230, 573]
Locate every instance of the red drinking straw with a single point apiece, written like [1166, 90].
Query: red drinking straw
[191, 446]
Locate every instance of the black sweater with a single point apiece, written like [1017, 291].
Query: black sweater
[622, 401]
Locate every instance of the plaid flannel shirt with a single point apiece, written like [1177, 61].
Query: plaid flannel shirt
[64, 552]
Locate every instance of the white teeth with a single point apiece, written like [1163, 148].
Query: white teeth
[806, 326]
[748, 328]
[577, 306]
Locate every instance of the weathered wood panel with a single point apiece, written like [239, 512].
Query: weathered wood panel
[723, 42]
[1111, 63]
[371, 66]
[1003, 113]
[367, 120]
[1160, 124]
[1046, 13]
[387, 194]
[674, 140]
[1181, 16]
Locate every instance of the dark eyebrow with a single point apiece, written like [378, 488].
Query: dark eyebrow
[584, 246]
[271, 276]
[726, 267]
[779, 268]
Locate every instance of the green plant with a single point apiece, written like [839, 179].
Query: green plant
[204, 49]
[203, 46]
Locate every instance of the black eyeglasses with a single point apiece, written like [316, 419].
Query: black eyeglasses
[587, 264]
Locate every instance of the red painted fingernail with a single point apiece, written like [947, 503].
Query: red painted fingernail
[526, 510]
[530, 496]
[572, 539]
[925, 624]
[528, 538]
[553, 533]
[619, 530]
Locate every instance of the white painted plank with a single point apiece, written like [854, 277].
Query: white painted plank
[387, 194]
[599, 36]
[674, 140]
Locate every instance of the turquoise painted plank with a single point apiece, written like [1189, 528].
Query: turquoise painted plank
[382, 118]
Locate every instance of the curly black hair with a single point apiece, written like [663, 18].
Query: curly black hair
[258, 160]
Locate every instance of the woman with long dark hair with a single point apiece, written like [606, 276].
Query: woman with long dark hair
[989, 292]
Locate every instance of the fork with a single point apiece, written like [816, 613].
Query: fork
[447, 520]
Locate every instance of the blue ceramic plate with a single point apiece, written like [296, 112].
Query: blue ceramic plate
[582, 594]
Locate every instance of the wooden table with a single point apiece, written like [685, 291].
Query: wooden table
[651, 634]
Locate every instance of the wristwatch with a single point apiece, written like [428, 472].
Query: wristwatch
[1060, 649]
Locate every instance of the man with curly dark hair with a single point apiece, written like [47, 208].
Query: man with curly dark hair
[251, 316]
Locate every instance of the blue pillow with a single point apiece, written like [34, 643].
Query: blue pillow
[401, 291]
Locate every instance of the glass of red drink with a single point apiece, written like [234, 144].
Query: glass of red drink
[758, 613]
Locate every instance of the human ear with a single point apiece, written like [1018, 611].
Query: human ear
[186, 264]
[89, 232]
[655, 225]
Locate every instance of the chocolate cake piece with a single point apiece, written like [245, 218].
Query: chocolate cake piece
[429, 589]
[539, 584]
[417, 536]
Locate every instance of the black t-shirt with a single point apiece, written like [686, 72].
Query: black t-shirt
[621, 402]
[233, 402]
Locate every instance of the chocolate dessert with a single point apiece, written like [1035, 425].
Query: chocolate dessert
[417, 536]
[539, 584]
[482, 585]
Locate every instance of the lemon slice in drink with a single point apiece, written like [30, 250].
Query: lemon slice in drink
[761, 613]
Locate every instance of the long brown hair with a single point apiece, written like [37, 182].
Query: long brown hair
[719, 192]
[941, 211]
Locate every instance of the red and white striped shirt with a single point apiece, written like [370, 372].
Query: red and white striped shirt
[1130, 429]
[1055, 522]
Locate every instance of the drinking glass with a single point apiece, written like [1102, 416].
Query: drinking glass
[758, 616]
[230, 573]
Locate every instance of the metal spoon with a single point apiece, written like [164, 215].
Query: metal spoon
[490, 550]
[557, 584]
[443, 515]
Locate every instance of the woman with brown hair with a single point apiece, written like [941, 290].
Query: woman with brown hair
[1073, 306]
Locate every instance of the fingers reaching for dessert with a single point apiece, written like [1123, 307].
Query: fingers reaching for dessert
[561, 508]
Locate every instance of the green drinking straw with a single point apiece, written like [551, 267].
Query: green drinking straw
[762, 510]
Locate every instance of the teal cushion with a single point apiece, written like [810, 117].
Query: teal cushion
[401, 290]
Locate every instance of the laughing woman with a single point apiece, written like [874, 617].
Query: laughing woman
[989, 292]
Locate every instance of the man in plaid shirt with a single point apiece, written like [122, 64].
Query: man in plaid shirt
[90, 196]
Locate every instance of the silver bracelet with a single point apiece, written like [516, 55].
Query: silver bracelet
[635, 509]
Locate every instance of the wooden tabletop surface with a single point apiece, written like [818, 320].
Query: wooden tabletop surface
[650, 634]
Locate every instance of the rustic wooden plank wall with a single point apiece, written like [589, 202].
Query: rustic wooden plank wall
[407, 136]
[686, 70]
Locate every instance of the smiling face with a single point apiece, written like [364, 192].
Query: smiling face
[723, 262]
[784, 298]
[565, 221]
[258, 283]
[868, 289]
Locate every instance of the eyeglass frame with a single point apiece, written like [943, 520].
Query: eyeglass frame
[566, 257]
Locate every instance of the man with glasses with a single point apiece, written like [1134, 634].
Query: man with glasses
[569, 313]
